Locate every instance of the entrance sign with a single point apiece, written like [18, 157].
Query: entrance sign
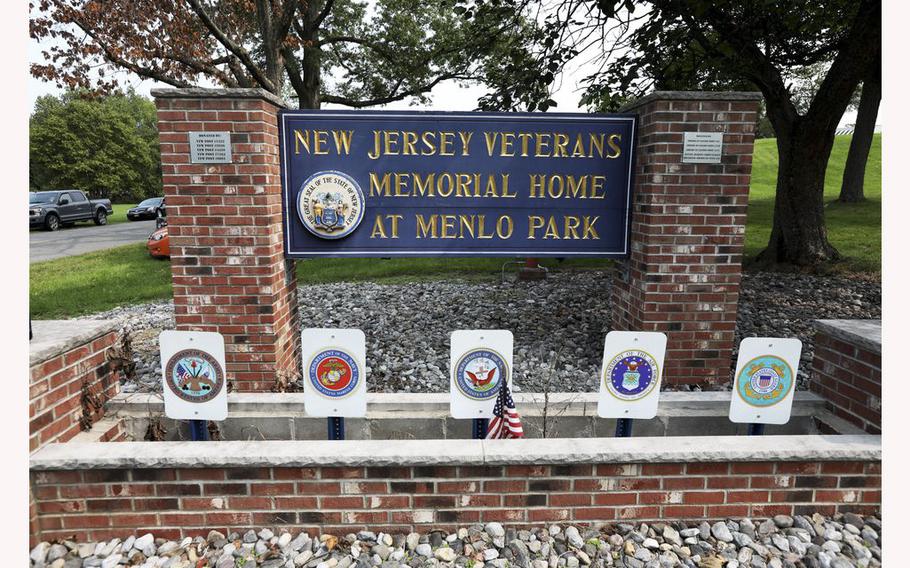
[481, 359]
[765, 380]
[334, 372]
[192, 366]
[380, 183]
[630, 375]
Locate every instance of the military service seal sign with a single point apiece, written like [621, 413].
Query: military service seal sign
[334, 376]
[764, 381]
[330, 204]
[194, 375]
[334, 373]
[631, 375]
[479, 373]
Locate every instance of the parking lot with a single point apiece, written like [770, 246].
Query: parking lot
[85, 237]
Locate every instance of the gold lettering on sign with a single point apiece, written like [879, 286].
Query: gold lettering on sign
[426, 229]
[317, 141]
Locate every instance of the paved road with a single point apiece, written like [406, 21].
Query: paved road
[82, 238]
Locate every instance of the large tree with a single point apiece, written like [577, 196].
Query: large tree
[348, 52]
[761, 44]
[105, 146]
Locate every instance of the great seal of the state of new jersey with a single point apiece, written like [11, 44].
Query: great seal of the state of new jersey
[330, 204]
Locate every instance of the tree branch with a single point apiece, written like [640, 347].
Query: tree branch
[392, 97]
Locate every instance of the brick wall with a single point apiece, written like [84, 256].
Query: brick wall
[224, 223]
[847, 372]
[683, 275]
[56, 389]
[101, 504]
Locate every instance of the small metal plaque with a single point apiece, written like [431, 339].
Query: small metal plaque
[702, 147]
[210, 147]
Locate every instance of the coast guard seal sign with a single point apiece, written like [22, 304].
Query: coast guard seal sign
[330, 204]
[763, 383]
[193, 372]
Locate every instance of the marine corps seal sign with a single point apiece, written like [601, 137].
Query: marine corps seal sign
[334, 376]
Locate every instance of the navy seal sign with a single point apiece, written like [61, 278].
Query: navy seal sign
[479, 373]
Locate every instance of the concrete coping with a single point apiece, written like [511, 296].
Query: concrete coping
[54, 337]
[867, 333]
[693, 96]
[206, 93]
[355, 453]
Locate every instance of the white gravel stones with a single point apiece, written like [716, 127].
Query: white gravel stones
[558, 324]
[655, 545]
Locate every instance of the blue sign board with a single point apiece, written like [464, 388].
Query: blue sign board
[404, 183]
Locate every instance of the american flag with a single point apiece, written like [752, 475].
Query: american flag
[505, 422]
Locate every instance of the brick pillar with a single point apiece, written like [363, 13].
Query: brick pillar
[684, 272]
[224, 222]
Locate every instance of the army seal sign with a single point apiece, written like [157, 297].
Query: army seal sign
[631, 375]
[334, 373]
[194, 375]
[764, 381]
[330, 204]
[479, 373]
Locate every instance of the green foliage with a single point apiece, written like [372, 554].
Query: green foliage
[854, 228]
[105, 146]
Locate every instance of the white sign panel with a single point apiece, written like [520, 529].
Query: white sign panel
[765, 380]
[334, 372]
[193, 372]
[631, 373]
[481, 359]
[210, 147]
[702, 147]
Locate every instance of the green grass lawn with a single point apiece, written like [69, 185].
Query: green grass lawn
[102, 280]
[96, 281]
[855, 229]
[119, 214]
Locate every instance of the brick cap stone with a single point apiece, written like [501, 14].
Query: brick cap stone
[693, 96]
[864, 333]
[358, 453]
[55, 337]
[204, 93]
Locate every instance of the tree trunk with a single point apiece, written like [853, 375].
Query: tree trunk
[798, 233]
[851, 190]
[312, 61]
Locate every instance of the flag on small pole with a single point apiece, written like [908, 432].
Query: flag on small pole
[505, 422]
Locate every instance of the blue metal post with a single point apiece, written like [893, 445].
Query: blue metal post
[756, 429]
[480, 428]
[199, 431]
[336, 428]
[623, 427]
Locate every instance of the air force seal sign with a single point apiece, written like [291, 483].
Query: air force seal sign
[334, 373]
[631, 375]
[330, 204]
[194, 375]
[764, 381]
[479, 373]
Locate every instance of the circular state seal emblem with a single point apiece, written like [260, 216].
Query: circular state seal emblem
[631, 375]
[330, 204]
[764, 381]
[194, 376]
[334, 373]
[479, 373]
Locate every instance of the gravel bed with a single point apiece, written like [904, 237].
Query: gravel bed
[782, 542]
[558, 324]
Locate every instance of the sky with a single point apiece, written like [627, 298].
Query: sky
[447, 96]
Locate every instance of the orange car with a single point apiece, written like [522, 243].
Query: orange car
[158, 244]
